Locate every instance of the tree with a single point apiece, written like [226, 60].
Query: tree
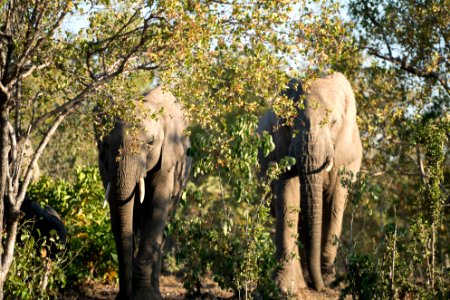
[403, 95]
[49, 72]
[413, 36]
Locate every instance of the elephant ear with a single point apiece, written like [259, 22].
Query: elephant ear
[348, 143]
[102, 146]
[266, 124]
[175, 141]
[102, 142]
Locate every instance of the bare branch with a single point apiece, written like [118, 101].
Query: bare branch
[378, 25]
[66, 106]
[13, 153]
[28, 72]
[48, 135]
[33, 43]
[410, 69]
[420, 164]
[147, 67]
[119, 33]
[4, 90]
[9, 249]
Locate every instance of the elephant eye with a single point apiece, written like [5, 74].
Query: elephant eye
[333, 123]
[151, 140]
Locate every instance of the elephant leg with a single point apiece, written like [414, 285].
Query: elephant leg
[332, 226]
[288, 276]
[147, 264]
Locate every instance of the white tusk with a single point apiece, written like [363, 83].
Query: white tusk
[108, 189]
[141, 189]
[330, 165]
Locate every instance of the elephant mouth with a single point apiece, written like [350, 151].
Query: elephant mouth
[141, 191]
[327, 166]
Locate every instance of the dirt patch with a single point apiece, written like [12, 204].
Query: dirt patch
[172, 289]
[308, 294]
[91, 290]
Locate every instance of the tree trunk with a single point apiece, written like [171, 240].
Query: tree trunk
[3, 173]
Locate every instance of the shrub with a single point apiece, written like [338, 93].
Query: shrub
[33, 274]
[90, 246]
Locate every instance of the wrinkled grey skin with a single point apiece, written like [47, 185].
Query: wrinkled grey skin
[309, 200]
[46, 220]
[157, 154]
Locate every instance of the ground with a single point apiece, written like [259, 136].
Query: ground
[172, 289]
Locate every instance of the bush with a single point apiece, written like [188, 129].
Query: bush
[33, 274]
[90, 246]
[223, 225]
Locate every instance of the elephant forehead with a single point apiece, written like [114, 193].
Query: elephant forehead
[327, 92]
[162, 102]
[152, 127]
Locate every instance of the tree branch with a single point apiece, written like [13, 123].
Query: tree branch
[37, 154]
[378, 25]
[28, 72]
[11, 233]
[118, 34]
[66, 106]
[5, 90]
[420, 165]
[411, 69]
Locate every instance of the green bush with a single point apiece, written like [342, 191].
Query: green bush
[32, 274]
[223, 225]
[90, 243]
[408, 253]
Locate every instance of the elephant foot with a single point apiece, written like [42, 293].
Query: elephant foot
[289, 280]
[329, 278]
[146, 294]
[123, 296]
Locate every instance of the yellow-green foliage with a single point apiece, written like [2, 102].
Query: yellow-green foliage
[90, 252]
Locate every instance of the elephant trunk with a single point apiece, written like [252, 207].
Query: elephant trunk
[121, 198]
[311, 207]
[311, 167]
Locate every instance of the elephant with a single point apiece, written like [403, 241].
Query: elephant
[47, 223]
[309, 199]
[144, 174]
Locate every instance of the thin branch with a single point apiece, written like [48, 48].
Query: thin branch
[9, 250]
[30, 71]
[5, 90]
[411, 69]
[66, 106]
[37, 154]
[119, 33]
[33, 108]
[32, 30]
[378, 25]
[148, 67]
[13, 153]
[420, 164]
[37, 40]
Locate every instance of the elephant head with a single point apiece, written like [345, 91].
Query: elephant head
[326, 139]
[143, 171]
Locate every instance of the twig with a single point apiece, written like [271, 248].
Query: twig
[393, 256]
[420, 164]
[51, 131]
